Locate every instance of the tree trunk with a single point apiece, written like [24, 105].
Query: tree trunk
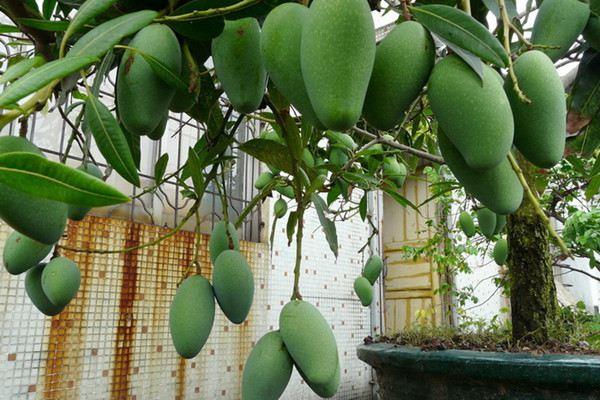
[532, 291]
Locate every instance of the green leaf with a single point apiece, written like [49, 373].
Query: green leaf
[362, 207]
[195, 170]
[291, 226]
[44, 25]
[42, 76]
[327, 224]
[511, 8]
[48, 8]
[19, 69]
[593, 188]
[403, 201]
[161, 167]
[110, 139]
[37, 176]
[472, 60]
[165, 73]
[585, 95]
[133, 141]
[87, 12]
[463, 30]
[8, 29]
[104, 37]
[270, 152]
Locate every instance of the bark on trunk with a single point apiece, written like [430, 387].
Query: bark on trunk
[533, 293]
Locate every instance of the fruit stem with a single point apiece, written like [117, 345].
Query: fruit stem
[536, 205]
[511, 71]
[299, 234]
[211, 12]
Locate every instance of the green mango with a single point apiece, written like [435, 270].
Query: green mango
[540, 127]
[39, 219]
[498, 188]
[373, 268]
[475, 116]
[364, 290]
[263, 180]
[286, 191]
[466, 224]
[280, 208]
[77, 213]
[338, 53]
[219, 240]
[280, 44]
[233, 284]
[308, 158]
[487, 222]
[22, 253]
[192, 315]
[558, 23]
[338, 157]
[394, 170]
[403, 62]
[159, 131]
[268, 369]
[272, 135]
[326, 390]
[500, 252]
[33, 288]
[239, 64]
[60, 281]
[591, 34]
[143, 98]
[343, 139]
[310, 341]
[500, 223]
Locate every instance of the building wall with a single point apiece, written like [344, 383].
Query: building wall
[112, 341]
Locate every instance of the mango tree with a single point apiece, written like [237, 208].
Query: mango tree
[344, 117]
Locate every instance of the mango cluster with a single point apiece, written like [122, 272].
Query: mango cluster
[39, 224]
[50, 286]
[363, 285]
[304, 340]
[490, 226]
[192, 312]
[324, 61]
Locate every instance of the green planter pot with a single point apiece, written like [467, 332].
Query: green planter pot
[409, 373]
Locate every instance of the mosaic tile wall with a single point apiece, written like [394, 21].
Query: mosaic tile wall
[112, 341]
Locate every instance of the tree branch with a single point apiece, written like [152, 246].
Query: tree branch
[569, 268]
[407, 149]
[43, 40]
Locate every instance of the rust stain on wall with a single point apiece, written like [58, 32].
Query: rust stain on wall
[127, 324]
[67, 330]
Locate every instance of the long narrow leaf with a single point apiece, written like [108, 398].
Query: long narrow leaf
[327, 224]
[463, 30]
[110, 139]
[21, 68]
[164, 72]
[104, 37]
[88, 11]
[37, 176]
[44, 25]
[43, 76]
